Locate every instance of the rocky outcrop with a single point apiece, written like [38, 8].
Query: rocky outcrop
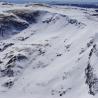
[91, 77]
[11, 64]
[29, 16]
[10, 25]
[4, 46]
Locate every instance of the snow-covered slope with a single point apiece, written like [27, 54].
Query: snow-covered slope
[48, 52]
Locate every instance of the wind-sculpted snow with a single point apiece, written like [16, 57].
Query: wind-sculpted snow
[14, 21]
[48, 51]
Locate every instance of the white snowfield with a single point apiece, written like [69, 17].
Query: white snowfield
[55, 56]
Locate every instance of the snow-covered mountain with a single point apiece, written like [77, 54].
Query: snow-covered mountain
[48, 51]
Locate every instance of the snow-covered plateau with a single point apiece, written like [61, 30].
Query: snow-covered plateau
[48, 51]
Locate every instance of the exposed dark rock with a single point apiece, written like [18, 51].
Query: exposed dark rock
[41, 51]
[58, 54]
[1, 62]
[6, 3]
[22, 38]
[8, 84]
[82, 51]
[10, 25]
[37, 4]
[60, 92]
[65, 75]
[67, 47]
[90, 43]
[10, 56]
[48, 20]
[94, 14]
[7, 72]
[9, 68]
[19, 57]
[29, 16]
[91, 78]
[5, 46]
[72, 21]
[92, 51]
